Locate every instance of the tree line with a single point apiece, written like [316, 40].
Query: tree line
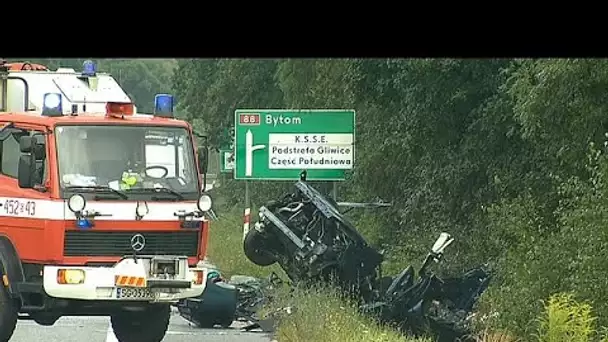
[505, 154]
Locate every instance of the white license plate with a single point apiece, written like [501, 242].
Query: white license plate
[134, 293]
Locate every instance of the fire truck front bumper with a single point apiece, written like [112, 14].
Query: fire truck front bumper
[153, 279]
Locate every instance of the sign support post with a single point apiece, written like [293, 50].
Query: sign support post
[247, 216]
[334, 192]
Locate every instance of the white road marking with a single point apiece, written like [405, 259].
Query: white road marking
[110, 337]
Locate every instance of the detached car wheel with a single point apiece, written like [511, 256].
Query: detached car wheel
[142, 326]
[255, 247]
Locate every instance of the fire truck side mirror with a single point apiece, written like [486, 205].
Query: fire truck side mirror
[27, 162]
[26, 143]
[30, 144]
[203, 159]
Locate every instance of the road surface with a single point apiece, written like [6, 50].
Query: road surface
[96, 329]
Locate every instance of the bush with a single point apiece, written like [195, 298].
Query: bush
[538, 259]
[565, 319]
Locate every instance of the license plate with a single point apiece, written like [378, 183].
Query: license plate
[134, 293]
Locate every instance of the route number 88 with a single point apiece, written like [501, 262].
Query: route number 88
[251, 119]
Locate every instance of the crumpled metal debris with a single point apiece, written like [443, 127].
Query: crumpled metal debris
[253, 294]
[311, 239]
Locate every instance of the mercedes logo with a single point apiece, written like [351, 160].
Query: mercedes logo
[138, 242]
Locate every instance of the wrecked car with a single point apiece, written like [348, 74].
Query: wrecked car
[312, 240]
[422, 303]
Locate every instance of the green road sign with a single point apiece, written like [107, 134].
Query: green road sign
[279, 144]
[226, 161]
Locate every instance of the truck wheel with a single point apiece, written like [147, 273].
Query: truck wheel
[8, 315]
[226, 323]
[142, 326]
[45, 320]
[255, 246]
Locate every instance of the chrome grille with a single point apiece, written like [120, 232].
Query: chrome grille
[118, 243]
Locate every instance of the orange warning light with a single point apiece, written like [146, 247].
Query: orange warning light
[118, 109]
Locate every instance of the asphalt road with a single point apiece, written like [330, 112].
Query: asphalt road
[96, 329]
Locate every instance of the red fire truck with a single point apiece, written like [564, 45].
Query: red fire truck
[102, 209]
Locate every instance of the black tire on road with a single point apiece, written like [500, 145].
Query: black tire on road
[226, 323]
[8, 315]
[142, 326]
[255, 246]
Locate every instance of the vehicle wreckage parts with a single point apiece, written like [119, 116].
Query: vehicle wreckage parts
[255, 247]
[279, 224]
[310, 236]
[349, 261]
[330, 210]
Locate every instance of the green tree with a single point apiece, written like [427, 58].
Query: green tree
[494, 151]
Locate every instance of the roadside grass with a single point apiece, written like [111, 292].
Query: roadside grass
[225, 248]
[321, 315]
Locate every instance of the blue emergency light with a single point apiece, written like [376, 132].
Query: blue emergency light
[89, 68]
[83, 223]
[51, 105]
[163, 105]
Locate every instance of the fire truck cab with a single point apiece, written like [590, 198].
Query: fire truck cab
[102, 210]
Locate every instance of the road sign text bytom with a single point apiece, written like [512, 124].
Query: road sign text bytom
[284, 142]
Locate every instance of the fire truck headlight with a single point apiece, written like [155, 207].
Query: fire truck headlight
[70, 276]
[204, 203]
[76, 203]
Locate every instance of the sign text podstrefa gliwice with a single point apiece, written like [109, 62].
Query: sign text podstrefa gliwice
[278, 144]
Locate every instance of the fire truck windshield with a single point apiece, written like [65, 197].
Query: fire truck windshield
[130, 159]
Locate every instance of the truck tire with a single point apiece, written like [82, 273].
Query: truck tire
[142, 326]
[8, 315]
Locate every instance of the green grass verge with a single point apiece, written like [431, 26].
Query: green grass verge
[225, 248]
[321, 315]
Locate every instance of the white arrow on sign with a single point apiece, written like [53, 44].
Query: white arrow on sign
[249, 148]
